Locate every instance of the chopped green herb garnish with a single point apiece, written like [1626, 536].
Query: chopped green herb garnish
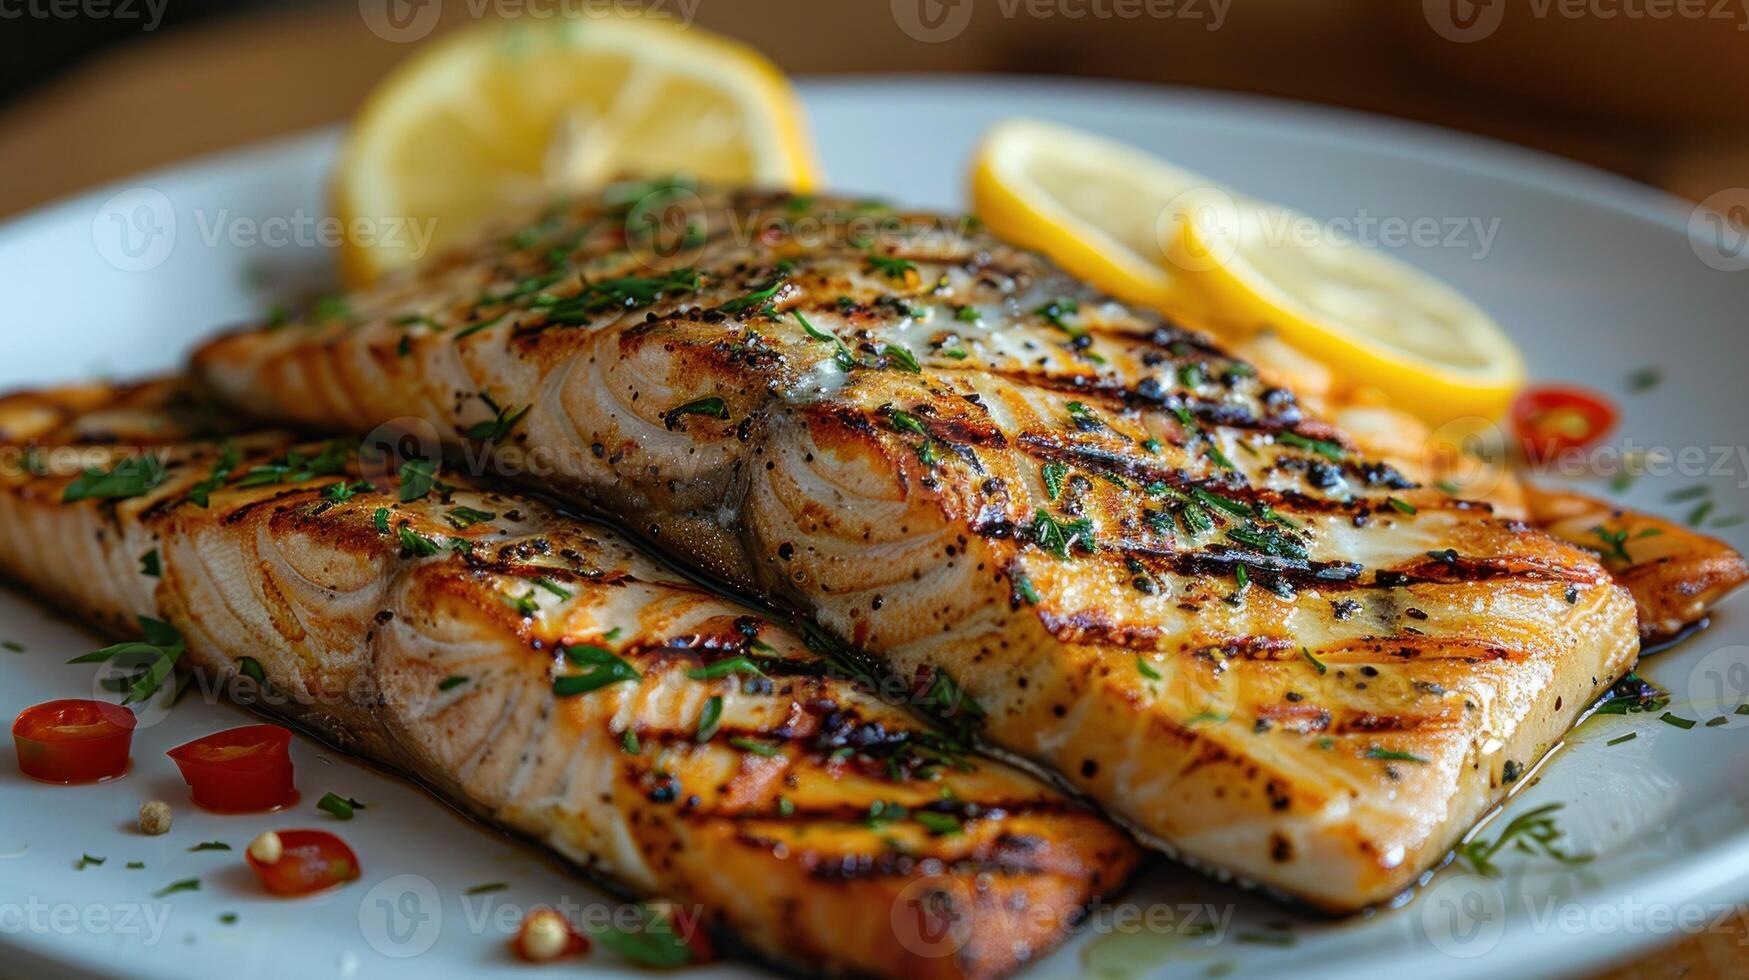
[1617, 541]
[1220, 458]
[295, 467]
[552, 587]
[415, 544]
[625, 293]
[1400, 505]
[343, 491]
[1082, 415]
[1059, 537]
[605, 669]
[210, 845]
[906, 422]
[1023, 588]
[1630, 736]
[1645, 379]
[341, 807]
[755, 746]
[418, 476]
[1377, 752]
[185, 885]
[813, 331]
[652, 944]
[710, 405]
[1146, 670]
[1055, 311]
[485, 324]
[759, 300]
[1677, 721]
[1328, 450]
[892, 267]
[462, 518]
[227, 918]
[150, 565]
[380, 520]
[487, 888]
[452, 682]
[1533, 831]
[150, 661]
[251, 668]
[902, 357]
[86, 860]
[1317, 664]
[709, 719]
[938, 824]
[499, 425]
[738, 664]
[129, 478]
[628, 742]
[1054, 474]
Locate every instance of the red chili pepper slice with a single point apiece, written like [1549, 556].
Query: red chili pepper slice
[241, 770]
[310, 861]
[73, 740]
[1551, 419]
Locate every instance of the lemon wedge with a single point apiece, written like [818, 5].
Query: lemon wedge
[1090, 203]
[1378, 322]
[505, 114]
[1157, 235]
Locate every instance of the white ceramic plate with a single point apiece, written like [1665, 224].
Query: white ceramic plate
[1593, 275]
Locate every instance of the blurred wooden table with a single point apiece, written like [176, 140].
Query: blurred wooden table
[1676, 120]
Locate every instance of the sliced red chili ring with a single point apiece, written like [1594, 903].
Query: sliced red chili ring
[241, 770]
[73, 740]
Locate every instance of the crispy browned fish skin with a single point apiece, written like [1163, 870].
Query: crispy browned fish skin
[330, 606]
[1328, 729]
[1675, 573]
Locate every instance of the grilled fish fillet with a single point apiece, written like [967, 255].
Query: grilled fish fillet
[1675, 580]
[1675, 573]
[1151, 572]
[812, 819]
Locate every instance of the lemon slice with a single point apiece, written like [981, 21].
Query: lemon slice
[1380, 323]
[1089, 203]
[1157, 235]
[504, 114]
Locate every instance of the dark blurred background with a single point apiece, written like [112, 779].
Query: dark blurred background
[1656, 90]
